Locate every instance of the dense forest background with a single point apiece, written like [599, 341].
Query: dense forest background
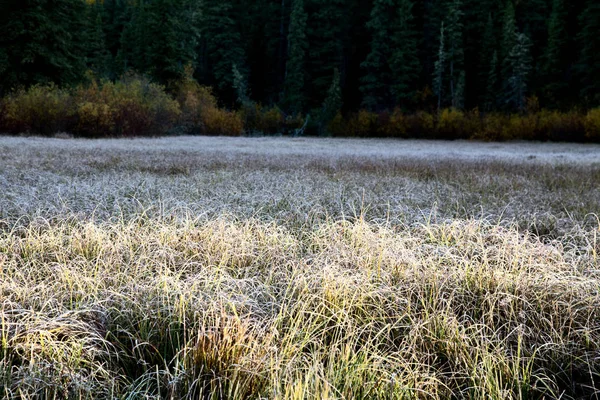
[318, 56]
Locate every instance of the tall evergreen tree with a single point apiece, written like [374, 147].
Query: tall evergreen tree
[491, 85]
[392, 66]
[438, 75]
[297, 44]
[589, 61]
[488, 55]
[41, 42]
[404, 61]
[519, 61]
[555, 61]
[333, 102]
[455, 52]
[223, 45]
[327, 35]
[98, 58]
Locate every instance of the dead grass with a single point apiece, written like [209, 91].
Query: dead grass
[217, 269]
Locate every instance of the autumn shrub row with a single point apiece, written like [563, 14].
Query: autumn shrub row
[456, 124]
[133, 106]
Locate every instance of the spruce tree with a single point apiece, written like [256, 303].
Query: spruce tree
[333, 102]
[589, 61]
[98, 58]
[455, 52]
[491, 85]
[555, 62]
[488, 56]
[519, 60]
[392, 66]
[297, 45]
[327, 34]
[223, 45]
[375, 83]
[41, 42]
[404, 60]
[438, 75]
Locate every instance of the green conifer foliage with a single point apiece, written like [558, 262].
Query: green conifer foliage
[438, 75]
[455, 52]
[555, 62]
[392, 66]
[297, 45]
[333, 102]
[224, 48]
[589, 63]
[519, 60]
[41, 42]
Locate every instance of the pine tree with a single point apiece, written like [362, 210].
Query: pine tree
[224, 48]
[404, 60]
[508, 31]
[392, 65]
[375, 83]
[98, 58]
[519, 60]
[555, 62]
[333, 102]
[297, 45]
[327, 36]
[488, 56]
[491, 86]
[455, 51]
[438, 77]
[41, 42]
[589, 61]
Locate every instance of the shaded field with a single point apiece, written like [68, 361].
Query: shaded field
[298, 269]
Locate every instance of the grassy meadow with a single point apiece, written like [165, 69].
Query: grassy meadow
[275, 268]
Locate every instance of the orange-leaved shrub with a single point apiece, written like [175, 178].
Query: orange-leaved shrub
[268, 120]
[392, 124]
[217, 121]
[41, 109]
[592, 125]
[200, 113]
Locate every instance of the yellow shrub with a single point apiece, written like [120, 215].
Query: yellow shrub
[491, 128]
[337, 126]
[555, 125]
[420, 124]
[130, 107]
[222, 122]
[40, 109]
[451, 124]
[520, 127]
[362, 124]
[394, 125]
[95, 119]
[592, 125]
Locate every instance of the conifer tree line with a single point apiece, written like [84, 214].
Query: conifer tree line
[493, 55]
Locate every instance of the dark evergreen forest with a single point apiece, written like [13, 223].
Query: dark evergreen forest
[327, 55]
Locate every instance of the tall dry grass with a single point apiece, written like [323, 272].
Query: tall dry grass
[132, 270]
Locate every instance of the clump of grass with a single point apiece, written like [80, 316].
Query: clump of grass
[227, 308]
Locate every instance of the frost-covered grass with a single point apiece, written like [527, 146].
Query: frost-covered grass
[298, 269]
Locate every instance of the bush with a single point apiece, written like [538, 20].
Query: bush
[362, 124]
[392, 124]
[491, 128]
[41, 109]
[420, 124]
[222, 122]
[592, 125]
[451, 124]
[559, 126]
[139, 107]
[264, 120]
